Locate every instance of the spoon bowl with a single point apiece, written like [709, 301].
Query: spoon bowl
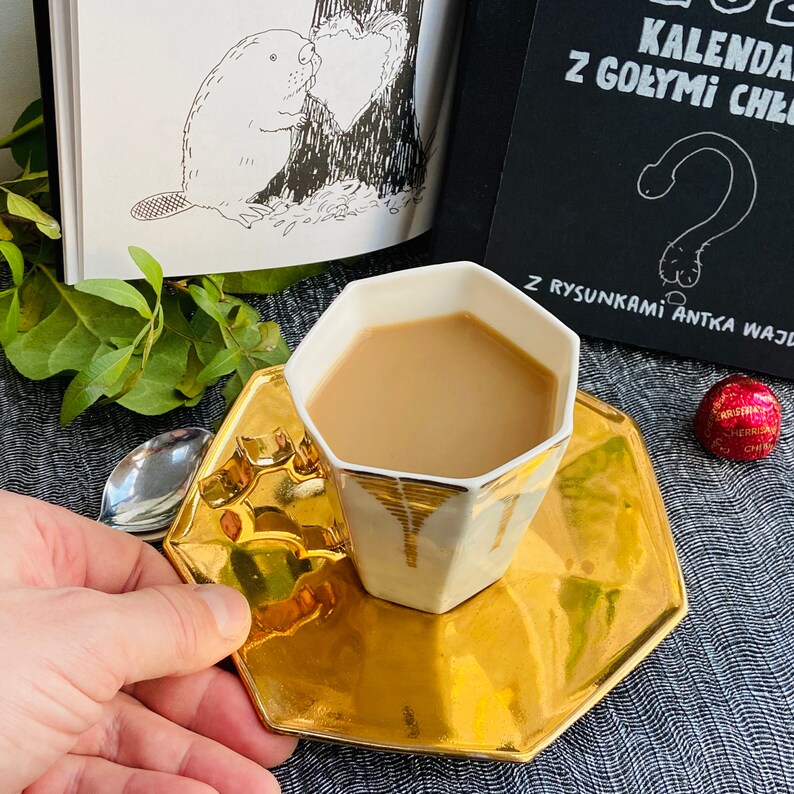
[144, 491]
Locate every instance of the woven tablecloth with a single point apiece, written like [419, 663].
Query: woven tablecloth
[712, 708]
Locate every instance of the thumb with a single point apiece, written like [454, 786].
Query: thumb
[168, 630]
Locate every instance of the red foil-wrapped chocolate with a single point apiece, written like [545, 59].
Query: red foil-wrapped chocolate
[739, 419]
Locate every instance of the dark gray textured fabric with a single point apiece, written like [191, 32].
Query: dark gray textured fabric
[711, 710]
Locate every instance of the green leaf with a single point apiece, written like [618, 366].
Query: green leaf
[156, 391]
[150, 268]
[231, 390]
[235, 320]
[277, 355]
[207, 333]
[46, 253]
[268, 282]
[116, 291]
[213, 287]
[189, 385]
[240, 318]
[90, 384]
[269, 337]
[155, 331]
[126, 382]
[159, 322]
[12, 320]
[29, 174]
[26, 176]
[28, 185]
[218, 280]
[130, 383]
[247, 338]
[73, 329]
[206, 304]
[247, 315]
[25, 208]
[5, 233]
[223, 363]
[15, 261]
[30, 149]
[246, 369]
[140, 341]
[174, 318]
[51, 229]
[32, 305]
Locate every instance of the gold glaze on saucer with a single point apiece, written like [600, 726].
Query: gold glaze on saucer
[594, 587]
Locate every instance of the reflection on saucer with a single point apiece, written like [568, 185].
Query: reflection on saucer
[594, 587]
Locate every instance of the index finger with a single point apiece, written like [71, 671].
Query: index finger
[84, 553]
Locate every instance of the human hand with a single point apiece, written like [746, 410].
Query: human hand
[106, 682]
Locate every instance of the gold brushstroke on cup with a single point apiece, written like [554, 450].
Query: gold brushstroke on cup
[595, 585]
[509, 488]
[410, 501]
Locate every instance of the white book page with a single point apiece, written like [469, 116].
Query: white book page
[78, 136]
[248, 134]
[61, 37]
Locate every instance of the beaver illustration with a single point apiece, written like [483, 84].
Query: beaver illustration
[238, 134]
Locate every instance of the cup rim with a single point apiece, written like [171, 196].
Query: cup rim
[562, 435]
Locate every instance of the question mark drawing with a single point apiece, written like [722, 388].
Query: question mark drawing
[681, 262]
[781, 12]
[732, 6]
[723, 6]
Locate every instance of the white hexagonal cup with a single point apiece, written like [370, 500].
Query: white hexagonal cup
[423, 541]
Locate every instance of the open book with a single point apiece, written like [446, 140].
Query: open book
[246, 134]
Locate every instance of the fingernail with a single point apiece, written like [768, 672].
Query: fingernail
[229, 608]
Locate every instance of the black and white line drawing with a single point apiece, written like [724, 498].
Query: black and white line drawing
[732, 6]
[232, 147]
[306, 129]
[781, 13]
[377, 48]
[379, 151]
[681, 263]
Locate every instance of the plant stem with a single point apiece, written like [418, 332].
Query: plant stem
[9, 140]
[8, 218]
[192, 339]
[177, 285]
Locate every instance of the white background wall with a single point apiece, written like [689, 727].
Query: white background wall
[19, 75]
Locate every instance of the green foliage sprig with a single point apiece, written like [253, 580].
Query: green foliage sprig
[151, 346]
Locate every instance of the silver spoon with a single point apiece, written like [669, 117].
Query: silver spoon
[144, 491]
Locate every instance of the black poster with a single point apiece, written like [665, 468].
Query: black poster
[648, 189]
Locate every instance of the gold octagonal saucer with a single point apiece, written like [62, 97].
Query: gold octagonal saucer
[594, 587]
